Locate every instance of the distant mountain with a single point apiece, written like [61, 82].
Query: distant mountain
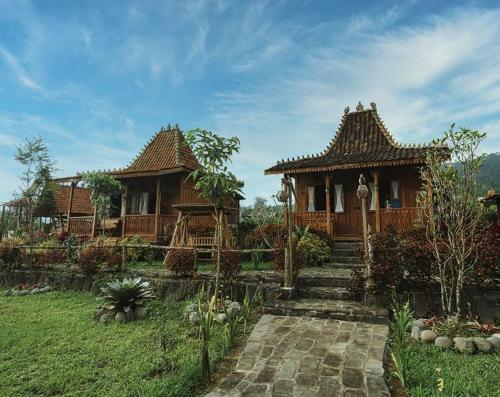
[489, 174]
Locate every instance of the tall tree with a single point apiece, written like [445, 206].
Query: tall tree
[103, 187]
[213, 179]
[451, 210]
[38, 164]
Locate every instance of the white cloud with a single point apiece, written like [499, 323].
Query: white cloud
[19, 70]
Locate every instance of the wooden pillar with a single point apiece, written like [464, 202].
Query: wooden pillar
[123, 210]
[18, 215]
[70, 204]
[94, 223]
[158, 205]
[328, 208]
[2, 225]
[376, 184]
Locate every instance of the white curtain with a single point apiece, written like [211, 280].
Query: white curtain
[311, 203]
[339, 205]
[395, 190]
[123, 211]
[372, 195]
[145, 202]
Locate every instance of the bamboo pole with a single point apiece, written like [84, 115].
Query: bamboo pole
[70, 205]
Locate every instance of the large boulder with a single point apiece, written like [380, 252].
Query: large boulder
[443, 342]
[106, 318]
[120, 316]
[482, 344]
[418, 323]
[35, 291]
[428, 336]
[221, 317]
[23, 292]
[47, 288]
[7, 293]
[415, 332]
[495, 341]
[464, 345]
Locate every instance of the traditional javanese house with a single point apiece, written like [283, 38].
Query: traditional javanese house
[326, 183]
[155, 182]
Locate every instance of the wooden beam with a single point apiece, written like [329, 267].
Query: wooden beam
[376, 184]
[70, 204]
[328, 207]
[157, 205]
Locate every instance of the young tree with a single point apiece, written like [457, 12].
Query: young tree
[103, 186]
[34, 156]
[451, 210]
[263, 214]
[213, 179]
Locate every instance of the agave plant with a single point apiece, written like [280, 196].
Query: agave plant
[127, 298]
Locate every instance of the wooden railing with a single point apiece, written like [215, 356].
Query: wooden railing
[80, 226]
[142, 225]
[196, 241]
[316, 219]
[401, 218]
[165, 224]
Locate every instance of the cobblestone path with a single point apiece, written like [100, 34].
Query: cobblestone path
[309, 357]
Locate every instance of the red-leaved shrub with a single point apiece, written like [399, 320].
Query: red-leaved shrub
[180, 261]
[95, 257]
[279, 257]
[230, 264]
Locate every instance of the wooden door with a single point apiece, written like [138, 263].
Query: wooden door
[350, 221]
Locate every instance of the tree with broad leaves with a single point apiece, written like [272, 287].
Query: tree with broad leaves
[451, 210]
[103, 187]
[213, 180]
[33, 154]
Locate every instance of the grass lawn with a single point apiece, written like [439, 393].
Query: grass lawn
[50, 345]
[463, 375]
[202, 266]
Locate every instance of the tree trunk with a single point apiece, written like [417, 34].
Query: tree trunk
[30, 233]
[218, 232]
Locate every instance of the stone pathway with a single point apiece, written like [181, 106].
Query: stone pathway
[304, 356]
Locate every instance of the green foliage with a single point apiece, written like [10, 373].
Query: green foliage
[103, 186]
[213, 180]
[10, 253]
[315, 251]
[166, 340]
[402, 318]
[451, 326]
[249, 304]
[47, 253]
[281, 246]
[134, 254]
[126, 295]
[206, 313]
[231, 327]
[257, 256]
[180, 261]
[401, 360]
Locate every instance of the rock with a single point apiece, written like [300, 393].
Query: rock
[194, 318]
[106, 318]
[35, 291]
[221, 317]
[192, 307]
[482, 344]
[495, 342]
[234, 308]
[428, 336]
[45, 289]
[23, 292]
[443, 342]
[7, 292]
[120, 316]
[464, 345]
[415, 332]
[418, 323]
[140, 312]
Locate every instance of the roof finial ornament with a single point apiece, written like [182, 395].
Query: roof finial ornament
[359, 107]
[169, 127]
[346, 110]
[373, 105]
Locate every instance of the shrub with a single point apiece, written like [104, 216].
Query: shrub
[487, 270]
[315, 251]
[94, 257]
[48, 254]
[271, 232]
[356, 287]
[327, 238]
[230, 265]
[279, 257]
[180, 261]
[134, 254]
[10, 252]
[416, 257]
[128, 296]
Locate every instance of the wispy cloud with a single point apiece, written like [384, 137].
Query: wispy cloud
[19, 70]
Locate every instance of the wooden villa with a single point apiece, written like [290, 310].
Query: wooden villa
[326, 183]
[155, 182]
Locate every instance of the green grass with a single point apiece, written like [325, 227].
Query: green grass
[463, 375]
[202, 266]
[50, 345]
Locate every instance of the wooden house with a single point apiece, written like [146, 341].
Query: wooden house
[326, 183]
[155, 182]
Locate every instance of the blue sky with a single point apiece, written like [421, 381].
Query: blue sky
[97, 78]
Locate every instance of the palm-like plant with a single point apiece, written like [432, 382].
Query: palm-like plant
[128, 296]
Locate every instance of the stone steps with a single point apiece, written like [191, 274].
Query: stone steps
[324, 277]
[328, 309]
[337, 265]
[346, 245]
[324, 293]
[348, 259]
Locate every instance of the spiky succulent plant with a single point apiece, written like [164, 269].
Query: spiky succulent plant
[127, 295]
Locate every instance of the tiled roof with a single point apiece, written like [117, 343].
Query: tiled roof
[361, 140]
[165, 151]
[59, 205]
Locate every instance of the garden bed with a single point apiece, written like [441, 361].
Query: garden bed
[50, 345]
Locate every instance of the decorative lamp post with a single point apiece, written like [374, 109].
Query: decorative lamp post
[362, 194]
[284, 196]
